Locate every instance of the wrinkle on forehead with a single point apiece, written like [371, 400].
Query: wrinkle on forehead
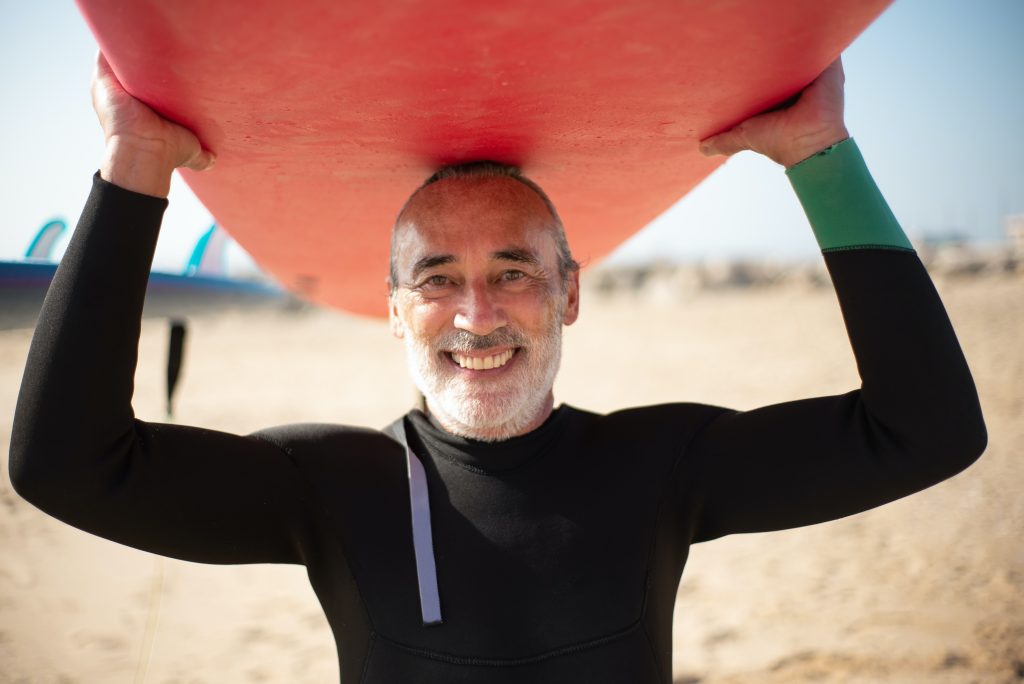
[463, 208]
[460, 198]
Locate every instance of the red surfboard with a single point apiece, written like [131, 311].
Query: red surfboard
[325, 115]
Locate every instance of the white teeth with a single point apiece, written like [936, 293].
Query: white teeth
[485, 363]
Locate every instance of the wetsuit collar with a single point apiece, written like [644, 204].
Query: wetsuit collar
[487, 457]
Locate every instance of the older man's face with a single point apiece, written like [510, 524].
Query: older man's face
[480, 304]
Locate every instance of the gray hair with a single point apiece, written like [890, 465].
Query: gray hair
[491, 169]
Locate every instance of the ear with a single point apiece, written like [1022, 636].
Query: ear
[572, 304]
[394, 318]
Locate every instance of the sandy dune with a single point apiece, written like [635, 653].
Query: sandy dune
[928, 589]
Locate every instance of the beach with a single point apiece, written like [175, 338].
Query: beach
[926, 589]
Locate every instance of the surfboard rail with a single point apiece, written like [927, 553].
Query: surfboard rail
[325, 116]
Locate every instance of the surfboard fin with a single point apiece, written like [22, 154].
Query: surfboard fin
[42, 244]
[208, 255]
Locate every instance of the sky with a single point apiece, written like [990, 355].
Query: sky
[934, 98]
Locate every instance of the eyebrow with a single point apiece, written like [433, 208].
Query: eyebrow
[430, 262]
[519, 255]
[516, 254]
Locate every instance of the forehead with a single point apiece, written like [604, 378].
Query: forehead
[463, 215]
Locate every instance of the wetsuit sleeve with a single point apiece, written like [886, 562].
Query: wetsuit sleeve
[915, 420]
[77, 451]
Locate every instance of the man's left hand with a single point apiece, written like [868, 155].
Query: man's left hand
[790, 135]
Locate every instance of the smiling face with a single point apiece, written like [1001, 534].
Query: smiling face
[480, 302]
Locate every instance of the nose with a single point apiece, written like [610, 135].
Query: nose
[478, 311]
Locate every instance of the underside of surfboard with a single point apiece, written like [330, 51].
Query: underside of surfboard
[324, 116]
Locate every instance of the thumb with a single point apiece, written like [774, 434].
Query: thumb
[727, 143]
[202, 160]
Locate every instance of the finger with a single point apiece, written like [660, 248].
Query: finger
[101, 65]
[825, 95]
[100, 72]
[727, 143]
[201, 161]
[835, 70]
[831, 79]
[102, 69]
[103, 77]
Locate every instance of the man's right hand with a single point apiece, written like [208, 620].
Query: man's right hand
[143, 148]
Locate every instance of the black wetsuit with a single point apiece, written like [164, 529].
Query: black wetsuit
[558, 553]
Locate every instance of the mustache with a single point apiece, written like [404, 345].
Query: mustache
[465, 341]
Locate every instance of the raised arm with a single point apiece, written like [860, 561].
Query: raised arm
[77, 451]
[915, 420]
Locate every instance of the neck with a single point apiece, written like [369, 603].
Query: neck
[515, 426]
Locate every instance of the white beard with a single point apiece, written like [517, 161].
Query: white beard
[487, 409]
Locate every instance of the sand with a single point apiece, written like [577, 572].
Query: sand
[927, 589]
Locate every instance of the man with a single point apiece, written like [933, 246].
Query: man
[493, 537]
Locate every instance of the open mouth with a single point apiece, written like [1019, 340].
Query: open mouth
[487, 362]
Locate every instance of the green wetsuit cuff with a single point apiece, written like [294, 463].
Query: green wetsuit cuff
[844, 206]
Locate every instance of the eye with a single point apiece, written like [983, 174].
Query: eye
[512, 275]
[435, 284]
[436, 281]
